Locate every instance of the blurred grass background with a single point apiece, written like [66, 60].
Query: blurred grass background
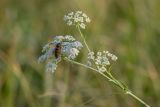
[128, 28]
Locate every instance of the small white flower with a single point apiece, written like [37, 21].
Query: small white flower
[73, 53]
[106, 52]
[65, 18]
[57, 39]
[79, 12]
[84, 15]
[101, 69]
[98, 61]
[109, 54]
[45, 47]
[69, 38]
[42, 58]
[69, 23]
[82, 25]
[77, 18]
[77, 44]
[114, 58]
[71, 13]
[51, 67]
[99, 53]
[81, 19]
[91, 55]
[105, 61]
[88, 20]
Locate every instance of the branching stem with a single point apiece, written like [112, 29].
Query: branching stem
[111, 79]
[107, 74]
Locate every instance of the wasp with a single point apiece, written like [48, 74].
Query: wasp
[57, 51]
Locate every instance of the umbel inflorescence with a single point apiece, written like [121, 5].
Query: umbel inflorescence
[67, 48]
[60, 47]
[77, 18]
[101, 59]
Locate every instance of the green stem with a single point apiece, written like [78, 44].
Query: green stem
[111, 79]
[88, 68]
[83, 38]
[119, 83]
[135, 97]
[127, 91]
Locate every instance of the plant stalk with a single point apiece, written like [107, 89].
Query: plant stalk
[111, 79]
[137, 98]
[83, 38]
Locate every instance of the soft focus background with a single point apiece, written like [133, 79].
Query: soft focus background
[128, 28]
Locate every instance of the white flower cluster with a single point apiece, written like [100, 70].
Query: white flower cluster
[101, 59]
[77, 18]
[69, 48]
[51, 67]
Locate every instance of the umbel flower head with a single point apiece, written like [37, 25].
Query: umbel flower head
[60, 47]
[77, 18]
[101, 60]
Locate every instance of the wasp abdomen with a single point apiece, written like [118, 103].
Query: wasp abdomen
[58, 50]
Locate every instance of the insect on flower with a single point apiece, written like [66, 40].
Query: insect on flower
[57, 52]
[58, 48]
